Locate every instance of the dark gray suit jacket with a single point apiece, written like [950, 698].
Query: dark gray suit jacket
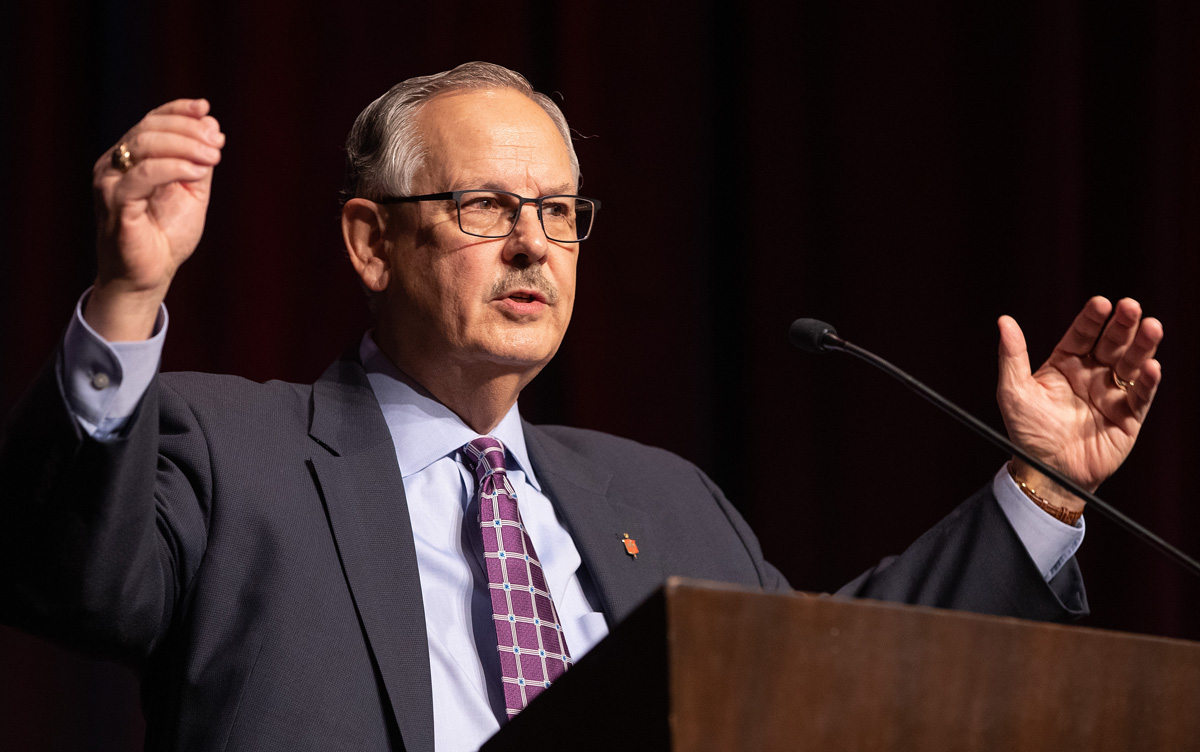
[246, 548]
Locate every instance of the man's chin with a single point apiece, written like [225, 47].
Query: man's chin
[520, 355]
[519, 361]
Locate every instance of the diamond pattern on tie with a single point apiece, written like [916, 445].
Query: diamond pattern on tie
[533, 651]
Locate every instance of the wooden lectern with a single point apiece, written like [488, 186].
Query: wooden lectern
[710, 667]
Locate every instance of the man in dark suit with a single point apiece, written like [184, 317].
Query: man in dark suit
[295, 567]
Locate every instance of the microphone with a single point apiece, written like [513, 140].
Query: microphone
[816, 336]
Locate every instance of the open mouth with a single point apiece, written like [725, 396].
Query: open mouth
[526, 296]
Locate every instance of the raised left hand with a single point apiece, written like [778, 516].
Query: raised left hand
[1072, 413]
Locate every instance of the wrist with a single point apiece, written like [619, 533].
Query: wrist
[1045, 493]
[122, 315]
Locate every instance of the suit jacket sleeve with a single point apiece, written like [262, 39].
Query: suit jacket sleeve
[974, 561]
[92, 553]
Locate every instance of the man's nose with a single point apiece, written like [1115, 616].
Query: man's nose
[528, 239]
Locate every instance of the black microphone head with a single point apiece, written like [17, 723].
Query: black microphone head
[809, 335]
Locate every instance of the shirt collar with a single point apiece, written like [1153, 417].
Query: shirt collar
[423, 429]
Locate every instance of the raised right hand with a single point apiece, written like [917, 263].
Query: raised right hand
[149, 219]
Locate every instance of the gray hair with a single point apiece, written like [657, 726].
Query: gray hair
[384, 148]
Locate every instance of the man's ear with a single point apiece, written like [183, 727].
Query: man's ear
[363, 225]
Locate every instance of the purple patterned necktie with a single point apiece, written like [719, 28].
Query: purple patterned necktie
[533, 650]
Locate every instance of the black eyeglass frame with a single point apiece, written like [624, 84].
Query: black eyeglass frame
[456, 196]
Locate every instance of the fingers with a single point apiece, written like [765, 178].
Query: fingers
[144, 178]
[194, 108]
[1141, 394]
[164, 144]
[178, 142]
[1143, 345]
[204, 130]
[1128, 346]
[163, 157]
[1137, 365]
[1014, 356]
[1086, 328]
[1128, 375]
[1119, 333]
[177, 130]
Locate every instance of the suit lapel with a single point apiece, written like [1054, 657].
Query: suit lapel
[579, 489]
[354, 464]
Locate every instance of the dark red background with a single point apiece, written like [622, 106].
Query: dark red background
[908, 171]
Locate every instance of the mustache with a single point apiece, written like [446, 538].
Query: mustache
[529, 278]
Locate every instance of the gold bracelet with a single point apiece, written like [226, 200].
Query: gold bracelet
[1062, 514]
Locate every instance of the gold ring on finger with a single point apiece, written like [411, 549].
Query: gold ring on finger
[122, 159]
[1121, 383]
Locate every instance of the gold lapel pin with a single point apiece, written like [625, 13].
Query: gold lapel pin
[630, 546]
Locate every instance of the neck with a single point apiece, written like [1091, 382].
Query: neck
[479, 395]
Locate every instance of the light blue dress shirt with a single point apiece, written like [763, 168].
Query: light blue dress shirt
[442, 504]
[105, 381]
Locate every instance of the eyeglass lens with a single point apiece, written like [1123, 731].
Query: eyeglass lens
[491, 214]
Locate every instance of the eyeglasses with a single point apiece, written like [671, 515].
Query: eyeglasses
[493, 214]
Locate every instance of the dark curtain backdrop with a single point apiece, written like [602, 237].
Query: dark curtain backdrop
[908, 171]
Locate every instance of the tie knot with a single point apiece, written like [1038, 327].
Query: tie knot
[485, 456]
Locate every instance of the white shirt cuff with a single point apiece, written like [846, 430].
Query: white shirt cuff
[1050, 543]
[104, 381]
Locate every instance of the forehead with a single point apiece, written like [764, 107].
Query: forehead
[492, 136]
